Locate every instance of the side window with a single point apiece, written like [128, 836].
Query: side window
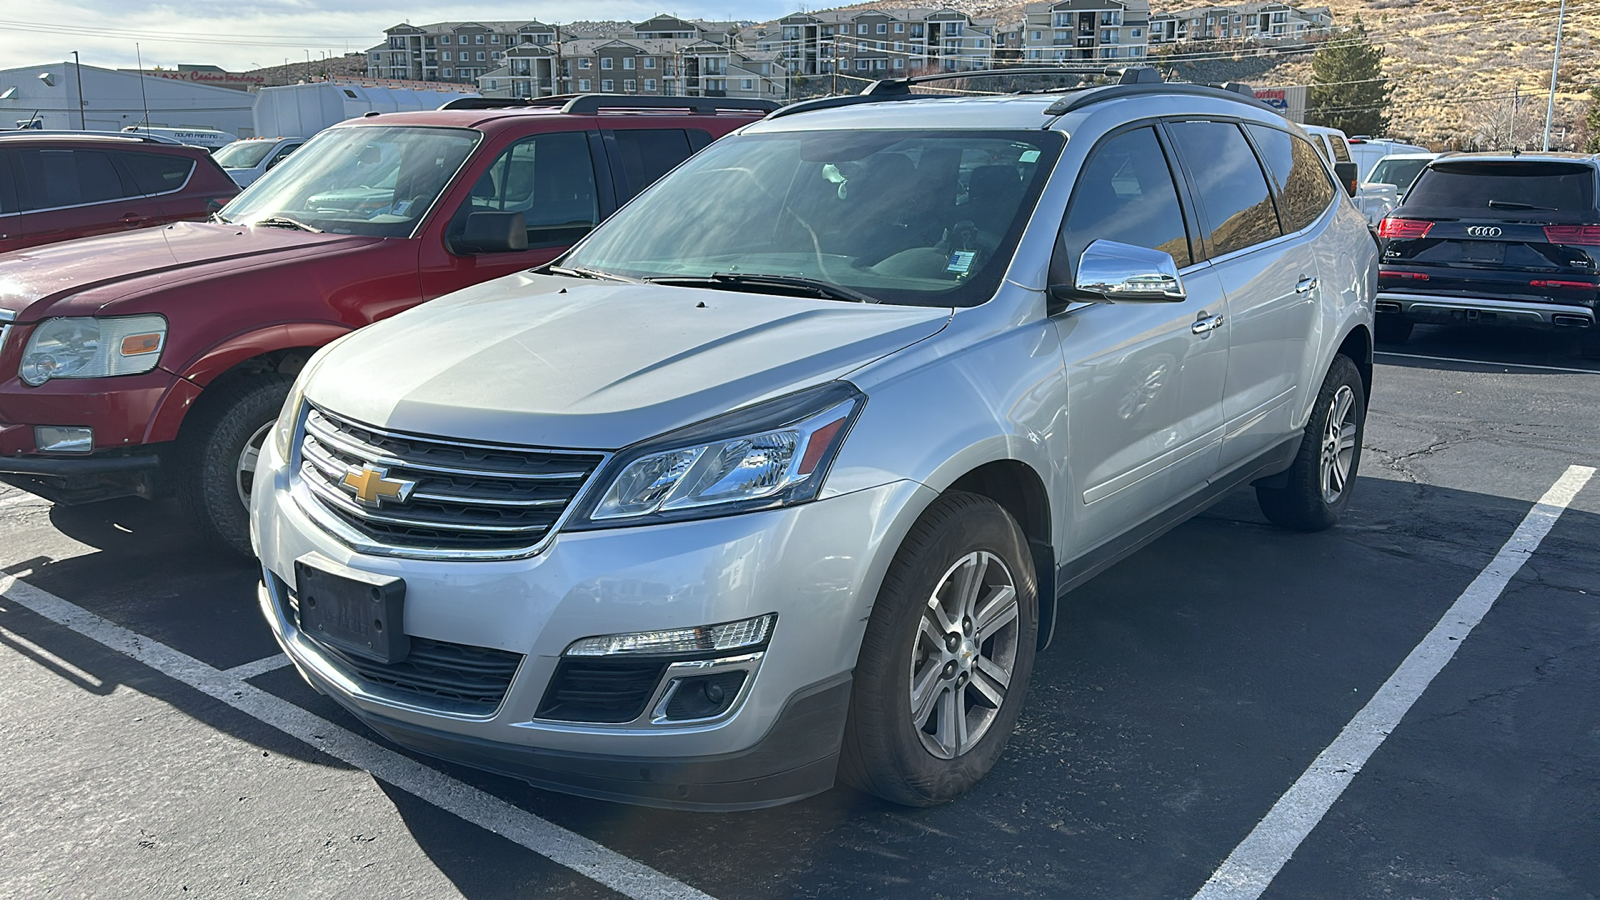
[8, 188]
[57, 178]
[1126, 194]
[1304, 190]
[648, 154]
[1232, 190]
[156, 173]
[548, 178]
[1341, 150]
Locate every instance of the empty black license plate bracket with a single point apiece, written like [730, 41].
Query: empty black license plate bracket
[353, 611]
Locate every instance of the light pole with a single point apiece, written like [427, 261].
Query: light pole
[1555, 67]
[77, 75]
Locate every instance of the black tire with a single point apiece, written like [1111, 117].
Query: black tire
[1391, 329]
[1302, 504]
[1589, 343]
[209, 451]
[884, 752]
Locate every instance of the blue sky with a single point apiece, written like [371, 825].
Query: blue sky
[242, 35]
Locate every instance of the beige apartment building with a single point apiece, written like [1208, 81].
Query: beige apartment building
[1085, 31]
[671, 67]
[864, 45]
[1262, 21]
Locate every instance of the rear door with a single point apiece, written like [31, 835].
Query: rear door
[1270, 279]
[552, 179]
[162, 177]
[69, 193]
[1497, 229]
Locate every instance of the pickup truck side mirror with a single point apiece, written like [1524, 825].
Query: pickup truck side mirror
[1112, 272]
[1346, 171]
[494, 232]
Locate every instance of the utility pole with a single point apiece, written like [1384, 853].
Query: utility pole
[1555, 67]
[77, 69]
[1515, 99]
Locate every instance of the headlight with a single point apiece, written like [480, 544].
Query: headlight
[772, 454]
[92, 348]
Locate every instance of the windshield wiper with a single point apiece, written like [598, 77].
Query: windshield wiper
[1512, 204]
[286, 222]
[727, 280]
[580, 272]
[219, 217]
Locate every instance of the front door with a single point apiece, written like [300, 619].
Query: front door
[1144, 389]
[549, 178]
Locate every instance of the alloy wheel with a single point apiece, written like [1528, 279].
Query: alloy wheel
[244, 471]
[964, 654]
[1338, 444]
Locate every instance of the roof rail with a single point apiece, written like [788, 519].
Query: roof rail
[97, 135]
[589, 104]
[1235, 91]
[889, 89]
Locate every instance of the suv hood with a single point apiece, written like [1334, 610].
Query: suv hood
[557, 362]
[110, 265]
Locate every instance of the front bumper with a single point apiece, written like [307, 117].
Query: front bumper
[1441, 309]
[817, 565]
[85, 479]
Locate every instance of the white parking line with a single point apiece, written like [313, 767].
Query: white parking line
[1252, 865]
[1491, 363]
[246, 671]
[612, 869]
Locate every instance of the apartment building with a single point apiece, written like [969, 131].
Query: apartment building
[661, 67]
[1093, 31]
[469, 51]
[1259, 21]
[882, 43]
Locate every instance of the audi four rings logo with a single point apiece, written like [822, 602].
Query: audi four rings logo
[1483, 231]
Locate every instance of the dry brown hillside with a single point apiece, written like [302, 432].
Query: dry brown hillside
[1454, 63]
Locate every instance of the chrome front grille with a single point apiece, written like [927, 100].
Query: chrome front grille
[463, 500]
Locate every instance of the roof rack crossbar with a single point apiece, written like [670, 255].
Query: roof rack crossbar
[589, 104]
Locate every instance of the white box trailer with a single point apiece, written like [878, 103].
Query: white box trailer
[302, 110]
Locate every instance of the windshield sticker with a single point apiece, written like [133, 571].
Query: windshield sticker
[961, 261]
[401, 207]
[1028, 156]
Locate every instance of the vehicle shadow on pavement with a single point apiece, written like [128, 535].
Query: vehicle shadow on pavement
[1488, 346]
[1186, 689]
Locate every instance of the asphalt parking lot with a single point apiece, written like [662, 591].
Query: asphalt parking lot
[154, 745]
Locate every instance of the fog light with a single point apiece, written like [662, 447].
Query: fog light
[63, 438]
[700, 639]
[704, 696]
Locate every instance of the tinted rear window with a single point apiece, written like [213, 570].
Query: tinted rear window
[1518, 190]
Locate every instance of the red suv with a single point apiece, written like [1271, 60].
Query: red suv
[141, 363]
[55, 187]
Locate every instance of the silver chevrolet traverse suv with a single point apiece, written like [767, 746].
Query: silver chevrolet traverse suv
[777, 477]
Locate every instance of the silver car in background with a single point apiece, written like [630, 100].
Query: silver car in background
[778, 476]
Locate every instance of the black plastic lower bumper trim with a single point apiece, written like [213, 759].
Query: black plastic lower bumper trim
[68, 480]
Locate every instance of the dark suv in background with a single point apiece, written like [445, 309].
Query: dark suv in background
[1495, 239]
[56, 187]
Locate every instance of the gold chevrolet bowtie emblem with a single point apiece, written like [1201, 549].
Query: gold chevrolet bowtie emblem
[372, 486]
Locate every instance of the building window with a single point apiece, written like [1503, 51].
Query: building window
[630, 86]
[1037, 35]
[448, 73]
[480, 56]
[649, 62]
[1137, 32]
[583, 63]
[605, 62]
[861, 29]
[446, 55]
[880, 46]
[497, 54]
[444, 38]
[494, 38]
[899, 46]
[479, 39]
[649, 84]
[900, 64]
[607, 85]
[861, 65]
[899, 28]
[883, 28]
[583, 84]
[627, 62]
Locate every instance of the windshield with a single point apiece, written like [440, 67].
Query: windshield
[1398, 172]
[243, 154]
[376, 180]
[910, 217]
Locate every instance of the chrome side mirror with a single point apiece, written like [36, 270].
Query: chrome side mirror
[1114, 272]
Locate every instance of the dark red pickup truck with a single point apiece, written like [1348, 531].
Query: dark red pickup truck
[157, 360]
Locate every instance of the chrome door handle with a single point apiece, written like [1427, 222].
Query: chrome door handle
[1210, 323]
[1305, 285]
